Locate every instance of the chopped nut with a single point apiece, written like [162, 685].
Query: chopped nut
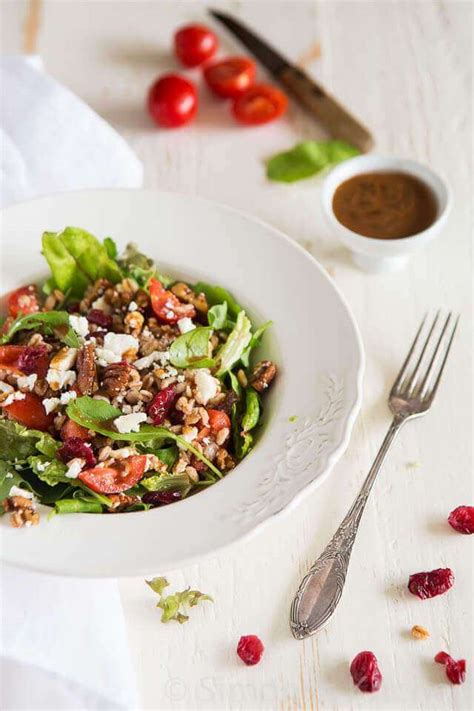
[419, 632]
[23, 511]
[134, 321]
[116, 377]
[86, 370]
[121, 502]
[263, 374]
[222, 435]
[224, 460]
[183, 292]
[242, 378]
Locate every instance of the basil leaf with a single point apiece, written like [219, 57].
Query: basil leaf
[217, 295]
[252, 410]
[307, 159]
[47, 321]
[191, 350]
[93, 409]
[233, 349]
[52, 472]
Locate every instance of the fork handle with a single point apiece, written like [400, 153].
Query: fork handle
[321, 588]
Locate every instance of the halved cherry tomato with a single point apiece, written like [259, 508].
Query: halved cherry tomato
[73, 429]
[259, 104]
[166, 305]
[23, 301]
[194, 44]
[172, 101]
[30, 412]
[112, 480]
[9, 356]
[218, 420]
[230, 77]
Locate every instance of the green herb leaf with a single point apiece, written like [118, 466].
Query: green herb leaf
[141, 268]
[98, 410]
[217, 317]
[307, 159]
[172, 605]
[45, 321]
[252, 410]
[191, 350]
[110, 247]
[217, 295]
[158, 584]
[17, 442]
[234, 347]
[254, 342]
[77, 258]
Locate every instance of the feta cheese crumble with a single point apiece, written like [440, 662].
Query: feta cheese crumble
[116, 346]
[66, 398]
[14, 396]
[17, 491]
[206, 387]
[27, 382]
[50, 404]
[133, 306]
[79, 324]
[148, 360]
[58, 379]
[129, 423]
[185, 325]
[74, 467]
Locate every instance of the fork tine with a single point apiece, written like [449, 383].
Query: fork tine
[434, 387]
[404, 368]
[410, 386]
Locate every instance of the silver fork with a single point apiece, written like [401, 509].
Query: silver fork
[411, 396]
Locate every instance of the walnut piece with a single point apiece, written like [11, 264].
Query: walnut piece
[121, 502]
[116, 378]
[419, 632]
[23, 511]
[263, 374]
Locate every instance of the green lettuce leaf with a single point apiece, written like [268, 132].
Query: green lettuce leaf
[251, 414]
[17, 443]
[77, 505]
[110, 247]
[77, 258]
[307, 159]
[8, 477]
[141, 268]
[46, 322]
[233, 349]
[52, 472]
[172, 605]
[163, 482]
[217, 295]
[254, 342]
[191, 350]
[157, 584]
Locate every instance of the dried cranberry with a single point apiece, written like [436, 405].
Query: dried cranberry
[73, 308]
[226, 404]
[75, 447]
[462, 519]
[198, 464]
[100, 318]
[365, 672]
[34, 359]
[161, 404]
[161, 498]
[432, 583]
[250, 649]
[455, 670]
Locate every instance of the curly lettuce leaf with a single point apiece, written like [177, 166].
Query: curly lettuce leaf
[50, 322]
[51, 471]
[172, 606]
[17, 442]
[77, 258]
[233, 349]
[191, 350]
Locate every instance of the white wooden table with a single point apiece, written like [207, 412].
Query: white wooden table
[403, 67]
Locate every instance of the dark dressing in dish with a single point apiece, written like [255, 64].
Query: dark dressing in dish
[385, 205]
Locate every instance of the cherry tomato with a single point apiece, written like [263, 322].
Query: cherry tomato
[218, 420]
[230, 77]
[194, 44]
[172, 101]
[72, 429]
[30, 412]
[261, 103]
[166, 305]
[112, 480]
[23, 301]
[9, 356]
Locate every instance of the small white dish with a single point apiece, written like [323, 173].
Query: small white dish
[309, 412]
[384, 254]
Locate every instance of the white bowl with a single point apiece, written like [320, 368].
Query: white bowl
[384, 254]
[314, 341]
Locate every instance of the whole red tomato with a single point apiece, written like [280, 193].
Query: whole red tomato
[194, 44]
[172, 101]
[230, 77]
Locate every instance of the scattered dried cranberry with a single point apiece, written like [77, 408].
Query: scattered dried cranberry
[250, 649]
[365, 672]
[432, 583]
[34, 359]
[462, 519]
[455, 670]
[73, 308]
[161, 498]
[161, 404]
[76, 447]
[100, 318]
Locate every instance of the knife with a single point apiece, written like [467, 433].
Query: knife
[336, 119]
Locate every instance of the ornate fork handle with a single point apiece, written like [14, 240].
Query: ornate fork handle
[321, 589]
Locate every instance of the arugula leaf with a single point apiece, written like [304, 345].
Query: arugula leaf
[110, 247]
[307, 159]
[47, 321]
[191, 350]
[141, 268]
[252, 410]
[168, 455]
[254, 342]
[172, 605]
[147, 433]
[93, 409]
[233, 349]
[217, 295]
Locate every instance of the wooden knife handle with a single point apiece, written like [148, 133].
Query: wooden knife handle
[336, 119]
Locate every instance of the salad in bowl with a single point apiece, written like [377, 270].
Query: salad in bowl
[121, 389]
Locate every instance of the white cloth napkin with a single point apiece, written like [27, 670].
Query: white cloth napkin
[64, 642]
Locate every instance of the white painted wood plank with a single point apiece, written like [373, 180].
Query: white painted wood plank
[405, 69]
